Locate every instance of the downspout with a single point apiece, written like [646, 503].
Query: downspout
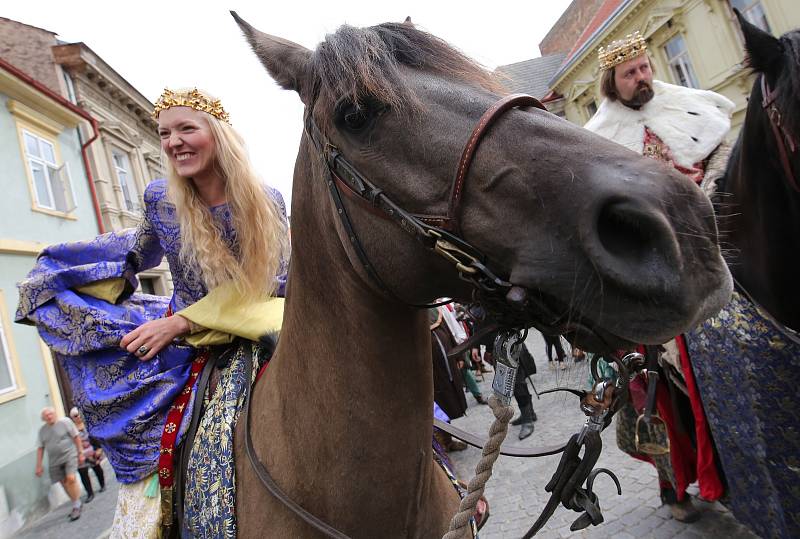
[80, 112]
[87, 167]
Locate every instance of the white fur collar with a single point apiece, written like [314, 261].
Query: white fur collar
[690, 122]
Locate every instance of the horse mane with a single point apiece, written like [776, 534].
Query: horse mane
[362, 64]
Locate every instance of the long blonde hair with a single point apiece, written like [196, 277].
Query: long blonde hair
[261, 232]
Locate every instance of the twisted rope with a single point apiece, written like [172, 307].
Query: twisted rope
[483, 470]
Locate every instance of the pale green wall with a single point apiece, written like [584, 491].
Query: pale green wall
[19, 418]
[19, 221]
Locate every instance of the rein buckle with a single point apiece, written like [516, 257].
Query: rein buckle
[507, 349]
[462, 260]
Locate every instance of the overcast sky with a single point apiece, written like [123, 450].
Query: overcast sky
[177, 44]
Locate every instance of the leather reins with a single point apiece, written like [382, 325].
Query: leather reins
[783, 137]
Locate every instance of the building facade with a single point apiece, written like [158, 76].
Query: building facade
[126, 156]
[695, 43]
[78, 147]
[47, 198]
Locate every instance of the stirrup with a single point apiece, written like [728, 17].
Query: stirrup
[650, 447]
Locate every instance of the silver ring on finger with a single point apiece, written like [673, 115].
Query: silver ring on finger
[142, 351]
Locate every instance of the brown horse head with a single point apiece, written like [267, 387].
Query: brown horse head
[605, 244]
[612, 247]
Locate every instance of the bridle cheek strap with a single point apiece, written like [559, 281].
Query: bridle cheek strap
[782, 136]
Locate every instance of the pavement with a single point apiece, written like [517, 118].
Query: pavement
[516, 490]
[96, 516]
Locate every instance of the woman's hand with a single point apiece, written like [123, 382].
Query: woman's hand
[151, 337]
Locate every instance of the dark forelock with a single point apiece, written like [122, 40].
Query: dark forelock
[365, 63]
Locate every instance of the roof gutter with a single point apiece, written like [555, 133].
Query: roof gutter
[30, 81]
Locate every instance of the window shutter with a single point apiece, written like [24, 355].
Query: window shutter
[65, 184]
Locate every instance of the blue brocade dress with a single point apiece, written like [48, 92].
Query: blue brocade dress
[125, 400]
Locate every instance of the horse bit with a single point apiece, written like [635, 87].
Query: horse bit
[440, 234]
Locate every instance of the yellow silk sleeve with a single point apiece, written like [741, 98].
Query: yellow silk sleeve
[225, 313]
[106, 289]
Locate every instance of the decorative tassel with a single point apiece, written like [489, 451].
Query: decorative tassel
[151, 491]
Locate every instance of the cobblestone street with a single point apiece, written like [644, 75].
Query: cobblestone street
[516, 490]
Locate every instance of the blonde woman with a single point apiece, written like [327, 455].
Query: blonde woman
[134, 360]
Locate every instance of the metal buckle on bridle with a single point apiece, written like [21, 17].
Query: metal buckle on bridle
[507, 349]
[463, 261]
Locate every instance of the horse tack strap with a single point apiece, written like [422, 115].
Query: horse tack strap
[486, 121]
[505, 449]
[782, 137]
[263, 474]
[437, 233]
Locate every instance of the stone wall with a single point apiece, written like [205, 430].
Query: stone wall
[29, 49]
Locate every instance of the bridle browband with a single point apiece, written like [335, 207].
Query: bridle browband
[787, 145]
[437, 233]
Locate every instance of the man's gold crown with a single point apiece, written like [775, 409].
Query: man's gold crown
[621, 51]
[193, 98]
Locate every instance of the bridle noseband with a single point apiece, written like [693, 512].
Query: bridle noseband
[787, 145]
[440, 234]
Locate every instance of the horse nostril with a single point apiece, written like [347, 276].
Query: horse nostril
[632, 242]
[627, 233]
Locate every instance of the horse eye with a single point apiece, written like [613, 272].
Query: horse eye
[355, 118]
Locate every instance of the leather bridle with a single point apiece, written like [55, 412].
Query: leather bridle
[438, 233]
[787, 145]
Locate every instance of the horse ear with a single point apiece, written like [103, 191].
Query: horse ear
[286, 61]
[408, 22]
[764, 51]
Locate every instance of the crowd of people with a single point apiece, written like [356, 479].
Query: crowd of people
[69, 449]
[454, 374]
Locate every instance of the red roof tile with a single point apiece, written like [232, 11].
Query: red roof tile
[603, 13]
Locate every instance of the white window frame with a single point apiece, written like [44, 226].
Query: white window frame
[751, 9]
[55, 176]
[4, 348]
[17, 388]
[130, 194]
[681, 63]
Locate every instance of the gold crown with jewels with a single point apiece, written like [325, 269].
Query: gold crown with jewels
[193, 98]
[622, 50]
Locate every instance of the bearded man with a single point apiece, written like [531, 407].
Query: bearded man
[685, 129]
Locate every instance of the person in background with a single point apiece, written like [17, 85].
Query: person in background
[527, 367]
[91, 455]
[60, 439]
[553, 342]
[685, 129]
[459, 334]
[448, 384]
